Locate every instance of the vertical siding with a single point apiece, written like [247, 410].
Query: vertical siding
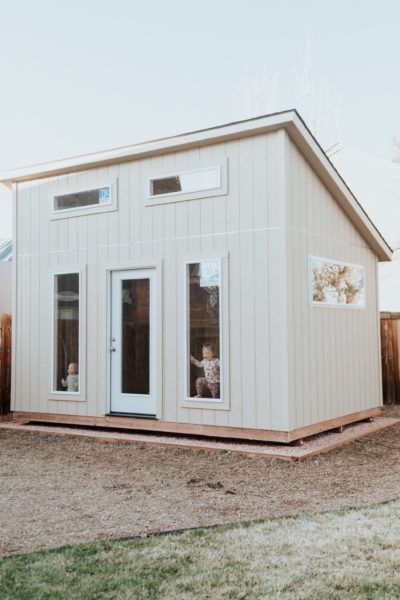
[334, 366]
[247, 223]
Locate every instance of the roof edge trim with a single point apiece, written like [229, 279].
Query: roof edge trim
[151, 148]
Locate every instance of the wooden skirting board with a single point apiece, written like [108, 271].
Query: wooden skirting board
[153, 425]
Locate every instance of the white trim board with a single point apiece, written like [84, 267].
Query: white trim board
[208, 403]
[58, 395]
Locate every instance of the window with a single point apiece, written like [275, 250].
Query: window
[334, 283]
[190, 181]
[204, 362]
[197, 183]
[66, 333]
[94, 197]
[89, 199]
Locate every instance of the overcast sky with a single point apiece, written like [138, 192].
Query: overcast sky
[81, 76]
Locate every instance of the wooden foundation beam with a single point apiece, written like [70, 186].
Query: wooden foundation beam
[158, 426]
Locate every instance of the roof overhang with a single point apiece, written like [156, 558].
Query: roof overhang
[288, 120]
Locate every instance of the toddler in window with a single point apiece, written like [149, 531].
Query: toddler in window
[210, 383]
[72, 380]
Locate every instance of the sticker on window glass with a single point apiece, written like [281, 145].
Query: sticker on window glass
[104, 195]
[209, 273]
[337, 283]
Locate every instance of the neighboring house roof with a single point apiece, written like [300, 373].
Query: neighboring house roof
[376, 183]
[5, 250]
[289, 120]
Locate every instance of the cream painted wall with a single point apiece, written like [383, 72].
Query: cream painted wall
[247, 224]
[334, 352]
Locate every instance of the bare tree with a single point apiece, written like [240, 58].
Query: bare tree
[259, 94]
[396, 148]
[316, 103]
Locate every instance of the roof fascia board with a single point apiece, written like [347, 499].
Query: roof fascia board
[152, 148]
[318, 160]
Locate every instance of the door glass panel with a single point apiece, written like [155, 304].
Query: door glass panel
[135, 336]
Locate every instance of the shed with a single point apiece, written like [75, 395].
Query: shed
[221, 282]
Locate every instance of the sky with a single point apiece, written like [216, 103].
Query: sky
[82, 76]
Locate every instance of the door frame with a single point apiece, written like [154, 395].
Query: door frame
[132, 266]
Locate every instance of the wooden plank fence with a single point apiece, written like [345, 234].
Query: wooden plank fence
[390, 350]
[5, 363]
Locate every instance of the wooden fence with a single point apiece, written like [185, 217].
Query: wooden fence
[5, 363]
[390, 348]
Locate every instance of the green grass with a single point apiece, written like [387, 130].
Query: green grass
[341, 555]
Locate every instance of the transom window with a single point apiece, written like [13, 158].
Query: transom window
[83, 199]
[186, 182]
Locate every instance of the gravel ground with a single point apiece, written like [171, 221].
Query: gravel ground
[60, 490]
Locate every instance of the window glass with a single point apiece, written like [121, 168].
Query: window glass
[193, 181]
[135, 336]
[95, 197]
[66, 332]
[204, 281]
[336, 283]
[165, 185]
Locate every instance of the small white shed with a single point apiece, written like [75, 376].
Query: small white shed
[221, 282]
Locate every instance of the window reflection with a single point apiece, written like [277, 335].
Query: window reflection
[94, 197]
[204, 330]
[136, 336]
[191, 181]
[66, 331]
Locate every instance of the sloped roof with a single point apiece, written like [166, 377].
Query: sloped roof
[289, 120]
[5, 250]
[376, 182]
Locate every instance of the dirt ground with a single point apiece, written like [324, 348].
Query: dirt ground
[64, 490]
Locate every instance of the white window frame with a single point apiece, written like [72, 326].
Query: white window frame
[332, 304]
[84, 210]
[208, 403]
[53, 393]
[221, 190]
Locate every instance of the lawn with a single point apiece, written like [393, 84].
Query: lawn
[346, 554]
[62, 490]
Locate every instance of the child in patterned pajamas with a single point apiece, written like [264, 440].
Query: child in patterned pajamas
[210, 383]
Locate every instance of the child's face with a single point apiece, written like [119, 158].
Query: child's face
[72, 369]
[207, 353]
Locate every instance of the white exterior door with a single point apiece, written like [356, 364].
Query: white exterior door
[132, 342]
